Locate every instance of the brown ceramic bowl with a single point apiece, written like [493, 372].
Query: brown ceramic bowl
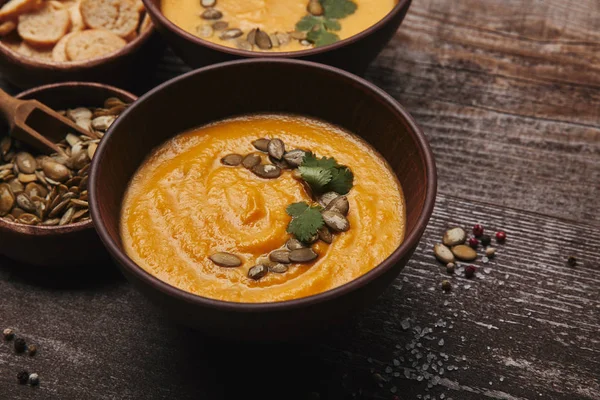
[59, 246]
[353, 54]
[117, 68]
[318, 91]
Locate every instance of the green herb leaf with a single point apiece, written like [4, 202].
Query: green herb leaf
[296, 209]
[307, 23]
[310, 160]
[342, 180]
[306, 224]
[316, 177]
[338, 8]
[326, 38]
[332, 25]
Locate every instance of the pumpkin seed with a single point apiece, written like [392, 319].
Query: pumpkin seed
[83, 184]
[79, 113]
[17, 212]
[220, 25]
[251, 160]
[304, 255]
[26, 178]
[60, 207]
[223, 259]
[79, 203]
[25, 162]
[80, 214]
[74, 181]
[4, 174]
[464, 252]
[298, 35]
[114, 102]
[280, 256]
[72, 139]
[278, 268]
[325, 234]
[454, 236]
[67, 217]
[280, 163]
[327, 198]
[257, 272]
[263, 41]
[261, 144]
[28, 219]
[8, 157]
[297, 175]
[232, 159]
[443, 253]
[339, 204]
[294, 244]
[274, 40]
[283, 38]
[276, 148]
[9, 217]
[243, 45]
[208, 3]
[104, 122]
[204, 31]
[16, 186]
[230, 34]
[211, 13]
[34, 189]
[8, 166]
[335, 221]
[79, 160]
[294, 157]
[5, 145]
[267, 171]
[55, 171]
[83, 171]
[251, 37]
[51, 222]
[315, 8]
[7, 199]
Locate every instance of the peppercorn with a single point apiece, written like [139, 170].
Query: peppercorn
[486, 240]
[477, 230]
[20, 345]
[32, 350]
[34, 379]
[446, 286]
[8, 333]
[572, 261]
[490, 252]
[450, 268]
[23, 377]
[473, 242]
[470, 271]
[500, 236]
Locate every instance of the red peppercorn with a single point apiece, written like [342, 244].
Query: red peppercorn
[470, 271]
[500, 236]
[473, 242]
[477, 230]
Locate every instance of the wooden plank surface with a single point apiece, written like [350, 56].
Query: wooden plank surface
[508, 92]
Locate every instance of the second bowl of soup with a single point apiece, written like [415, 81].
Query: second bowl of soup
[268, 211]
[345, 33]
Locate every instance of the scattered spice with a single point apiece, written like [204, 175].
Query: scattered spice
[572, 261]
[473, 242]
[490, 252]
[34, 379]
[477, 230]
[20, 345]
[500, 236]
[470, 271]
[446, 286]
[8, 333]
[450, 268]
[23, 377]
[32, 349]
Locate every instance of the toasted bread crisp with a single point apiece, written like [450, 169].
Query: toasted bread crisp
[44, 27]
[7, 27]
[59, 52]
[39, 53]
[14, 8]
[92, 43]
[76, 18]
[118, 16]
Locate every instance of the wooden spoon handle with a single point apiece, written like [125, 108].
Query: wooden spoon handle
[8, 107]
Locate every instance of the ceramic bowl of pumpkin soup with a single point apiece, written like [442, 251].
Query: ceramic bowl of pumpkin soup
[267, 209]
[345, 33]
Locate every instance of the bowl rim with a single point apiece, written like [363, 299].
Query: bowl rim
[155, 12]
[38, 230]
[22, 60]
[411, 240]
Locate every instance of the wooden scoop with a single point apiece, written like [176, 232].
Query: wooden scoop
[37, 125]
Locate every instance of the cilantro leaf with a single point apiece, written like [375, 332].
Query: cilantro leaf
[305, 225]
[310, 160]
[296, 209]
[316, 177]
[324, 38]
[332, 25]
[338, 8]
[342, 180]
[307, 23]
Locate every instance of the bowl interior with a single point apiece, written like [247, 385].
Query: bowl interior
[255, 86]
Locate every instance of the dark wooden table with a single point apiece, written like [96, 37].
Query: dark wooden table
[508, 93]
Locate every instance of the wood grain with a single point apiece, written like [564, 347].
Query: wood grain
[526, 328]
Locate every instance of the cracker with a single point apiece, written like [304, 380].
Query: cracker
[14, 8]
[118, 16]
[76, 18]
[146, 23]
[43, 54]
[59, 52]
[7, 27]
[92, 43]
[44, 27]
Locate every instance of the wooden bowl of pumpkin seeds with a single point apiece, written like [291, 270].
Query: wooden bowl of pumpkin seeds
[44, 214]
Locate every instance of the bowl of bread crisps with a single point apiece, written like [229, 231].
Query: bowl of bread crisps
[44, 41]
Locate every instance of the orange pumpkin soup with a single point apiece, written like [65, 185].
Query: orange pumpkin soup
[192, 199]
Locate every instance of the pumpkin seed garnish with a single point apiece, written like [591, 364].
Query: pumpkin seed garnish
[294, 244]
[251, 160]
[280, 256]
[232, 159]
[251, 37]
[294, 158]
[211, 13]
[267, 171]
[231, 34]
[335, 221]
[228, 260]
[257, 272]
[263, 41]
[278, 268]
[326, 198]
[304, 255]
[220, 25]
[339, 204]
[204, 31]
[261, 144]
[243, 44]
[276, 148]
[208, 3]
[325, 235]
